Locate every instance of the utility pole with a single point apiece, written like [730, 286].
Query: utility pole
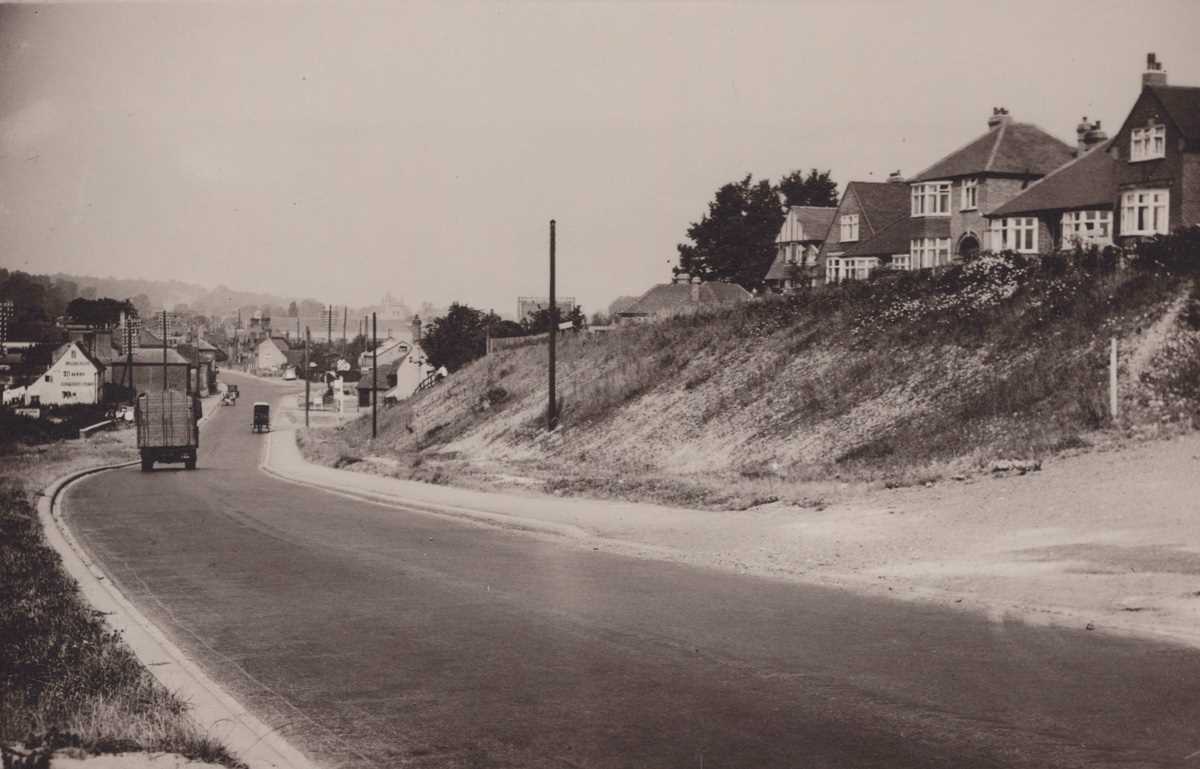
[374, 377]
[329, 331]
[164, 320]
[345, 318]
[552, 409]
[306, 382]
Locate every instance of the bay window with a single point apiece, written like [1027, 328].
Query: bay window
[1148, 143]
[849, 228]
[1086, 228]
[1018, 234]
[931, 199]
[970, 194]
[928, 252]
[1144, 212]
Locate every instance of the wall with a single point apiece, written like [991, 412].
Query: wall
[1164, 172]
[73, 379]
[833, 244]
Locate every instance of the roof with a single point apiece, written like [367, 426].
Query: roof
[1182, 103]
[364, 381]
[1008, 148]
[881, 203]
[61, 351]
[145, 356]
[669, 297]
[892, 239]
[1089, 181]
[280, 343]
[205, 345]
[814, 222]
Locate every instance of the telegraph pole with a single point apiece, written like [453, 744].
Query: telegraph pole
[345, 318]
[374, 377]
[552, 409]
[306, 383]
[164, 320]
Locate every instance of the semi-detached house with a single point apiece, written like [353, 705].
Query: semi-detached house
[867, 209]
[1145, 181]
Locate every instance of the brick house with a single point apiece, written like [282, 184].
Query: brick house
[865, 210]
[798, 246]
[950, 199]
[1144, 181]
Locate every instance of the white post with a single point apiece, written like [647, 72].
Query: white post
[1112, 379]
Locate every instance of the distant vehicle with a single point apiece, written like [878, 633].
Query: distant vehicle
[125, 414]
[262, 417]
[167, 428]
[232, 391]
[289, 373]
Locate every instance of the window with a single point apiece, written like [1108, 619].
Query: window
[970, 194]
[928, 252]
[902, 262]
[833, 270]
[849, 224]
[1018, 234]
[1148, 143]
[856, 268]
[931, 199]
[48, 379]
[1086, 228]
[1144, 212]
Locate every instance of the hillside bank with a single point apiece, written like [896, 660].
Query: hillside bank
[808, 399]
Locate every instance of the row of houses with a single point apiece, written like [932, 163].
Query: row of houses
[1015, 187]
[91, 367]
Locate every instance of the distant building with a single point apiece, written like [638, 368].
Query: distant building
[271, 353]
[527, 305]
[149, 371]
[680, 297]
[797, 247]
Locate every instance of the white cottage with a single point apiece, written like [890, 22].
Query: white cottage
[73, 377]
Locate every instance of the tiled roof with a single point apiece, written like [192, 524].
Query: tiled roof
[779, 268]
[150, 355]
[61, 351]
[813, 220]
[1182, 103]
[669, 297]
[1016, 148]
[882, 202]
[1089, 181]
[892, 239]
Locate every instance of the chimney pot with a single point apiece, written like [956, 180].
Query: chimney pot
[999, 115]
[1154, 75]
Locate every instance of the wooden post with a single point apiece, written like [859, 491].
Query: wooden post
[552, 407]
[307, 336]
[1112, 380]
[374, 377]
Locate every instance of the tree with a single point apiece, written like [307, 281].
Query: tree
[816, 189]
[735, 241]
[99, 312]
[456, 338]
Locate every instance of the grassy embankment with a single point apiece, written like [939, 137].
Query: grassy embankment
[66, 680]
[894, 381]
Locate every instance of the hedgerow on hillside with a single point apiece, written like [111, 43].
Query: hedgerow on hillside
[893, 379]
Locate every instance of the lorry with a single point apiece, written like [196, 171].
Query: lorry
[167, 428]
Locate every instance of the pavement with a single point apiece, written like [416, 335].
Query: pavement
[372, 630]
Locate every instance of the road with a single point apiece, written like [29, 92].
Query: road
[375, 637]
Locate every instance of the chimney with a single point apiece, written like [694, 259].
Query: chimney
[681, 278]
[1154, 74]
[1088, 135]
[895, 177]
[696, 290]
[416, 328]
[999, 115]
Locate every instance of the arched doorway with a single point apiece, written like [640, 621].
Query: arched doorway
[968, 245]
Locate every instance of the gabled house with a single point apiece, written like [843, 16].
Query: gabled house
[797, 247]
[1158, 153]
[865, 210]
[949, 200]
[1145, 181]
[73, 377]
[271, 353]
[680, 297]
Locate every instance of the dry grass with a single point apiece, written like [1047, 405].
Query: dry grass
[892, 382]
[65, 679]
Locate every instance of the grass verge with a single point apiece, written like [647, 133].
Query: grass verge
[66, 679]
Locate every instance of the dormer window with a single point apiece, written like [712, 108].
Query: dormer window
[849, 228]
[931, 199]
[970, 194]
[1148, 143]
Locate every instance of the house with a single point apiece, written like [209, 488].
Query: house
[1145, 181]
[797, 247]
[150, 367]
[271, 353]
[949, 200]
[681, 296]
[865, 210]
[73, 377]
[889, 247]
[395, 348]
[368, 382]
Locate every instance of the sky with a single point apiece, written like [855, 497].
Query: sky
[341, 151]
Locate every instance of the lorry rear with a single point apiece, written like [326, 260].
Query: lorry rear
[167, 428]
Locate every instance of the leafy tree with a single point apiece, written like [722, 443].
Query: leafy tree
[816, 189]
[99, 312]
[735, 240]
[500, 328]
[456, 338]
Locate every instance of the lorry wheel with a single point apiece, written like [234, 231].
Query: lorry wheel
[147, 465]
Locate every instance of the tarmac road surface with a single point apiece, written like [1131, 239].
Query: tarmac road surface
[374, 637]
